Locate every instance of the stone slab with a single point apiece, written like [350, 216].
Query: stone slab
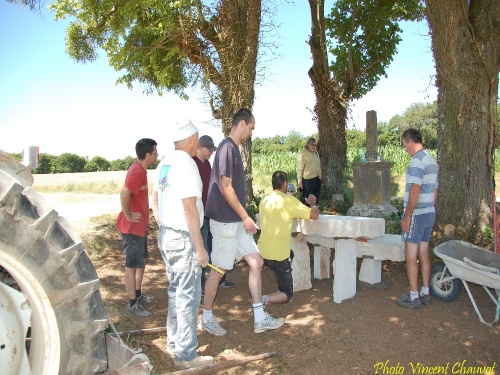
[387, 247]
[336, 226]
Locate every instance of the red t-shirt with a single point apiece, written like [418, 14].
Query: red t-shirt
[137, 182]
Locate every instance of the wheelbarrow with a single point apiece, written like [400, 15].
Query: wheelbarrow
[466, 262]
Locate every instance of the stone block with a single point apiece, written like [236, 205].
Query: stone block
[322, 257]
[344, 270]
[371, 271]
[301, 266]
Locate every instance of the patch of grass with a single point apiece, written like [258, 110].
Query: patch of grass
[108, 187]
[101, 237]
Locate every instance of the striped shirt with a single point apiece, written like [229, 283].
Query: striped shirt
[423, 171]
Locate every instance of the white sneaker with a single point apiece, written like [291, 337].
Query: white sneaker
[212, 326]
[268, 323]
[196, 362]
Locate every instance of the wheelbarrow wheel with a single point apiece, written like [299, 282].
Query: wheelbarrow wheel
[447, 291]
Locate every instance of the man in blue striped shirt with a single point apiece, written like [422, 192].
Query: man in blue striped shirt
[418, 218]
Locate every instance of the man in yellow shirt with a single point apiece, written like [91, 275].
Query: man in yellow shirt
[277, 211]
[309, 171]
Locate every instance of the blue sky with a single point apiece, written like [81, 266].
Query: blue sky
[50, 101]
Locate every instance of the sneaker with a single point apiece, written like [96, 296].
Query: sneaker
[144, 299]
[226, 284]
[196, 362]
[406, 301]
[268, 323]
[425, 299]
[138, 310]
[212, 326]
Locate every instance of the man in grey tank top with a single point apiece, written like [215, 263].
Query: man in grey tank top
[232, 228]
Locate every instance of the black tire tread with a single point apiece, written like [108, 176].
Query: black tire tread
[34, 233]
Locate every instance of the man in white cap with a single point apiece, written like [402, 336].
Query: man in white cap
[178, 209]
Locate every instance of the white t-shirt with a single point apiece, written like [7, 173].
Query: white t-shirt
[177, 178]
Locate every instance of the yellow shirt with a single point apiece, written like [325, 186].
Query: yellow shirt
[308, 166]
[277, 211]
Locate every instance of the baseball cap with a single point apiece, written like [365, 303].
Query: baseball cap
[184, 130]
[208, 142]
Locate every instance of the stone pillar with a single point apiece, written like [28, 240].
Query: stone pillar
[301, 264]
[322, 256]
[371, 136]
[344, 280]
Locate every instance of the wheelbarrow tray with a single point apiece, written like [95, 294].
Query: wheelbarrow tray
[471, 263]
[453, 253]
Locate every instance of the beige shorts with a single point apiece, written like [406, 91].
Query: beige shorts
[230, 243]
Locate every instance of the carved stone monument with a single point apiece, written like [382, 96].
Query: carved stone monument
[372, 179]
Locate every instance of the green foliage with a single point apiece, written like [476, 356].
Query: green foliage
[356, 139]
[122, 164]
[16, 156]
[141, 38]
[45, 162]
[294, 142]
[419, 116]
[97, 164]
[364, 38]
[68, 163]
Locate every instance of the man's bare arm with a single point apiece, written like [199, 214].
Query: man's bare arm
[125, 195]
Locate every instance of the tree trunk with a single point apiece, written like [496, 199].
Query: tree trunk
[330, 108]
[238, 24]
[466, 47]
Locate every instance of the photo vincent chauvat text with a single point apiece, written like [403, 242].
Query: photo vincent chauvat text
[419, 368]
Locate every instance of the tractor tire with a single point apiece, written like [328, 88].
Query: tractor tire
[46, 263]
[445, 292]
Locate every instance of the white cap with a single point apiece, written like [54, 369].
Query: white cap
[184, 130]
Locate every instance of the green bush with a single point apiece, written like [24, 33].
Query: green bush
[44, 164]
[97, 164]
[68, 163]
[122, 164]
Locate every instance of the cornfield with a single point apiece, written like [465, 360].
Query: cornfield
[264, 165]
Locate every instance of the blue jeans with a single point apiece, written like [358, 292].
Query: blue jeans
[184, 291]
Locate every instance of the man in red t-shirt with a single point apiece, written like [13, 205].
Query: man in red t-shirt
[132, 223]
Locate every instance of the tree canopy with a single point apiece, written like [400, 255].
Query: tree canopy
[361, 37]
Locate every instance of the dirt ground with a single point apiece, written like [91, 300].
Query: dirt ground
[368, 335]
